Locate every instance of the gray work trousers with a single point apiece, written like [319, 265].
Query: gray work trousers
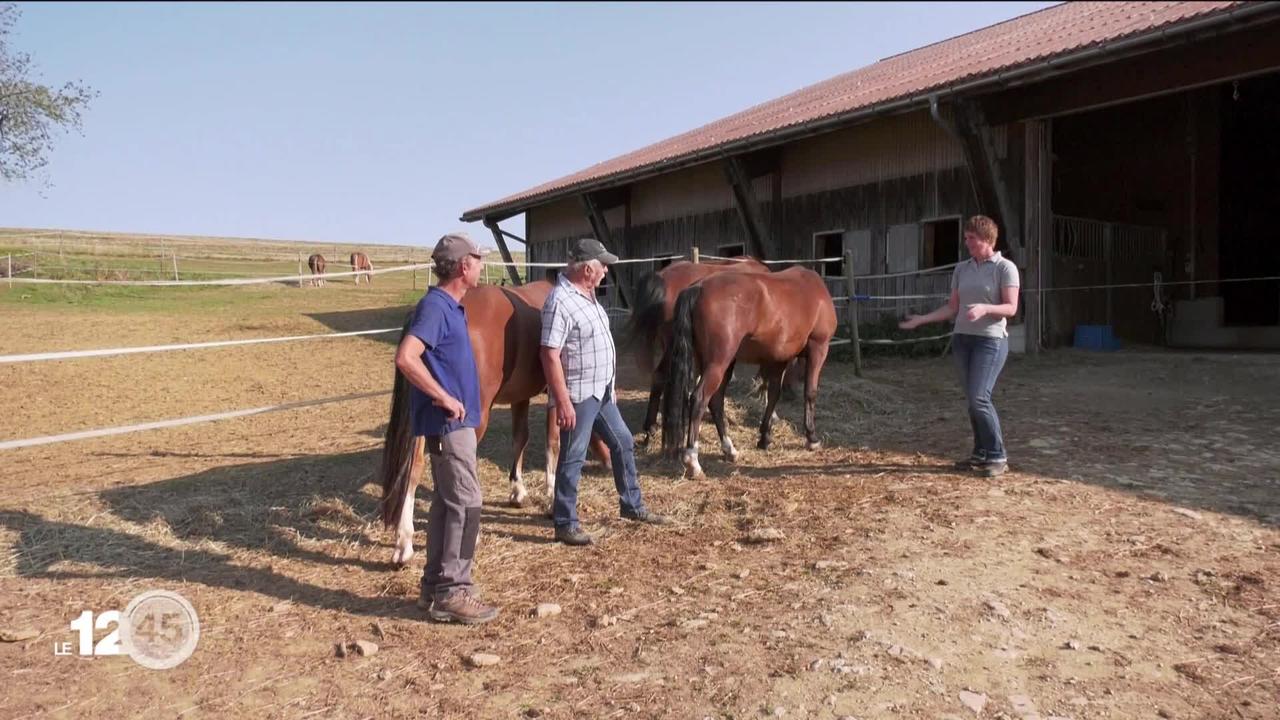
[454, 521]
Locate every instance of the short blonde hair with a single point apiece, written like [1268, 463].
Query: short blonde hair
[984, 227]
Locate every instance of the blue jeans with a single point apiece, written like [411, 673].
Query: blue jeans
[980, 360]
[602, 417]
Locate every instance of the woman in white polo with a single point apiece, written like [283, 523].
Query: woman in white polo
[984, 294]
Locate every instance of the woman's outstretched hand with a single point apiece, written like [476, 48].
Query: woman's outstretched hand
[911, 323]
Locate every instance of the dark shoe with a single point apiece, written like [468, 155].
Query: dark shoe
[573, 536]
[969, 463]
[992, 469]
[644, 516]
[461, 607]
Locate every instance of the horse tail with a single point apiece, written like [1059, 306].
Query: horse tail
[681, 372]
[649, 301]
[398, 448]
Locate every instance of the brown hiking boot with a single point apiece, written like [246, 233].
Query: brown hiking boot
[461, 607]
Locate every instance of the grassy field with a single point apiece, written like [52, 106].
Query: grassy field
[116, 257]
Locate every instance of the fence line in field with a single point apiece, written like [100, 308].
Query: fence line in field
[178, 422]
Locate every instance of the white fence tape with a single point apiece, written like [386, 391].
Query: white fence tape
[229, 281]
[797, 261]
[106, 352]
[500, 263]
[178, 422]
[906, 341]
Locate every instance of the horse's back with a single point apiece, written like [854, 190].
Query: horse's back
[768, 317]
[680, 275]
[506, 331]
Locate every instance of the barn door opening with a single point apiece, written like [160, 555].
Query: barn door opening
[1249, 228]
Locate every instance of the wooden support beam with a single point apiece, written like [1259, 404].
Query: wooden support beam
[1038, 232]
[499, 237]
[993, 193]
[611, 197]
[600, 227]
[744, 201]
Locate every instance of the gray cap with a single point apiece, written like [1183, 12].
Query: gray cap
[457, 245]
[589, 248]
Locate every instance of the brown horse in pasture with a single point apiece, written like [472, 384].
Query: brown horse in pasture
[360, 262]
[316, 263]
[505, 324]
[654, 304]
[764, 319]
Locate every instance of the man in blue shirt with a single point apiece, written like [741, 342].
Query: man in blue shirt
[435, 355]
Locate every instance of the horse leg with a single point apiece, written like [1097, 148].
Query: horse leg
[602, 452]
[813, 368]
[655, 401]
[712, 375]
[519, 441]
[774, 376]
[404, 530]
[717, 415]
[553, 455]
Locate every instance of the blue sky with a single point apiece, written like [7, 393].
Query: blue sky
[384, 122]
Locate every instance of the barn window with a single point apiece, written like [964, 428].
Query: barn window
[940, 242]
[829, 245]
[736, 250]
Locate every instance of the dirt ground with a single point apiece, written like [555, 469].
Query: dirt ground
[1128, 566]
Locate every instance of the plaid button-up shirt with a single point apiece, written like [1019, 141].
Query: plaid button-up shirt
[579, 327]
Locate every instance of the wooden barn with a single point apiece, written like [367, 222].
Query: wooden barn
[1122, 143]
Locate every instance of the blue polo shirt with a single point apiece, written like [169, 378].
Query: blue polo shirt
[441, 324]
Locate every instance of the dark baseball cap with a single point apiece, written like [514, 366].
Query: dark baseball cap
[589, 248]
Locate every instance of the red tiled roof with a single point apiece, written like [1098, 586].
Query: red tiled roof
[1024, 41]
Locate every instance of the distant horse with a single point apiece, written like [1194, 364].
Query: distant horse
[359, 263]
[316, 263]
[764, 319]
[505, 325]
[654, 303]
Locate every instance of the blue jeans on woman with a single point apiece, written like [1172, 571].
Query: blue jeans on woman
[602, 417]
[980, 360]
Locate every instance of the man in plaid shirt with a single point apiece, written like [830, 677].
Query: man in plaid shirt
[580, 362]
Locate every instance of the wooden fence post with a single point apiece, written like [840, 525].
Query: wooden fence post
[852, 306]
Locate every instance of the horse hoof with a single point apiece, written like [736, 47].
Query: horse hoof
[731, 457]
[764, 444]
[402, 556]
[813, 445]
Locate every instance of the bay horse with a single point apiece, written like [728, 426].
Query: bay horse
[359, 262]
[764, 319]
[505, 326]
[316, 263]
[653, 306]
